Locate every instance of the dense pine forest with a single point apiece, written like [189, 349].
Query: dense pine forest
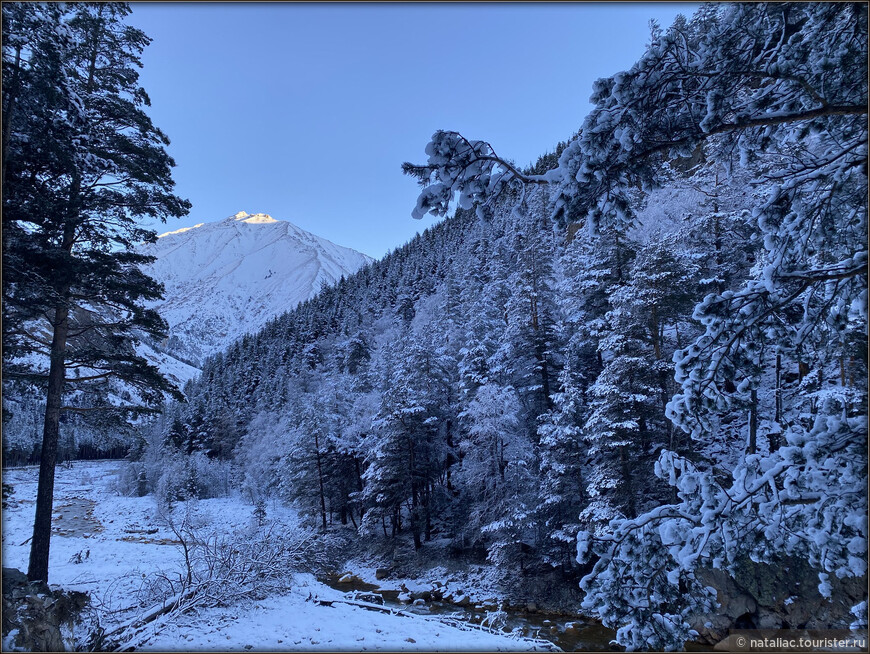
[637, 365]
[673, 369]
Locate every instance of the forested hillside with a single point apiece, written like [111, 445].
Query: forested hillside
[642, 358]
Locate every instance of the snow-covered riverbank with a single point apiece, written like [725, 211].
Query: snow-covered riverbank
[112, 546]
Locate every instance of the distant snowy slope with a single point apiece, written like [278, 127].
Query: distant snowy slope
[228, 278]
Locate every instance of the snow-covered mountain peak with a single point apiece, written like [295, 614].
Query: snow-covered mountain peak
[255, 219]
[240, 217]
[226, 278]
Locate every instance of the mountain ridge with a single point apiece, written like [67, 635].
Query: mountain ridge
[228, 277]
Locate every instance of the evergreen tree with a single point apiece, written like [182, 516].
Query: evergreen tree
[485, 295]
[77, 175]
[531, 339]
[405, 453]
[307, 460]
[496, 474]
[778, 87]
[562, 488]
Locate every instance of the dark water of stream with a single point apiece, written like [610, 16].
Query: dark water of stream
[579, 636]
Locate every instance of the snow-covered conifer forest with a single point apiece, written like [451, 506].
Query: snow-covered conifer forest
[626, 384]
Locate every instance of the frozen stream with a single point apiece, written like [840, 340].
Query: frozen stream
[569, 635]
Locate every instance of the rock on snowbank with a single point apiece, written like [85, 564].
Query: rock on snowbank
[36, 618]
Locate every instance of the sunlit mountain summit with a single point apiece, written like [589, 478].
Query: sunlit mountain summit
[226, 278]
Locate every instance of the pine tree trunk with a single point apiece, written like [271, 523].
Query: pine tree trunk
[359, 487]
[618, 259]
[415, 498]
[428, 506]
[545, 380]
[775, 439]
[39, 547]
[451, 457]
[631, 510]
[320, 480]
[717, 230]
[752, 445]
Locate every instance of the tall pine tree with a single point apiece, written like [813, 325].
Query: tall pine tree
[79, 171]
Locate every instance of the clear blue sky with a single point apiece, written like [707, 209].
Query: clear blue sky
[307, 111]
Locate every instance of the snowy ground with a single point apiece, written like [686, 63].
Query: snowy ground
[291, 622]
[110, 546]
